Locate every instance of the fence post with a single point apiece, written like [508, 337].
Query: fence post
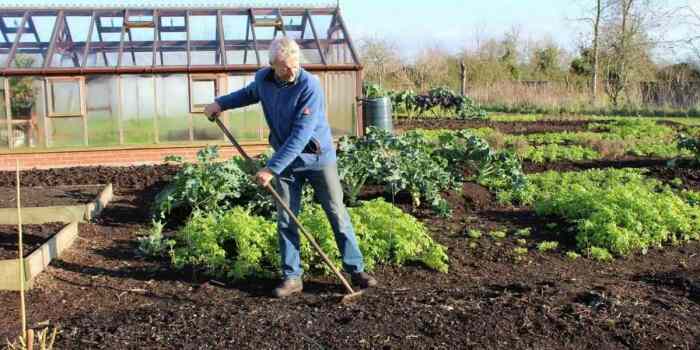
[463, 75]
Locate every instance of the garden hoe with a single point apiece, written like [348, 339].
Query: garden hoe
[351, 295]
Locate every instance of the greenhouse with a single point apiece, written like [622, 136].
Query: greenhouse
[86, 78]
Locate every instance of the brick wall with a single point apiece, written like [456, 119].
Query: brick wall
[118, 157]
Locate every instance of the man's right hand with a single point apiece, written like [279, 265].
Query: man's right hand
[212, 111]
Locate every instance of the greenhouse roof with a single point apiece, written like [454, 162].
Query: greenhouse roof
[149, 37]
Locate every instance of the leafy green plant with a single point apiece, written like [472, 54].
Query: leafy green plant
[152, 243]
[498, 234]
[600, 254]
[23, 92]
[547, 245]
[203, 185]
[400, 163]
[473, 233]
[236, 244]
[572, 255]
[619, 210]
[523, 232]
[520, 251]
[690, 144]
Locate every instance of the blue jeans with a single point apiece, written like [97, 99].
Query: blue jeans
[329, 193]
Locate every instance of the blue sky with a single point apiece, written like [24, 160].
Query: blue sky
[453, 24]
[450, 24]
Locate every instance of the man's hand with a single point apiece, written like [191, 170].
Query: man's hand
[264, 176]
[212, 111]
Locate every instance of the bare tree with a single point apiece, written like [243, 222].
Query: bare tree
[380, 58]
[430, 69]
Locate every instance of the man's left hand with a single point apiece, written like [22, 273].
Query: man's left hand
[264, 176]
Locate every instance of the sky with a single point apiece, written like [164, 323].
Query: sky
[449, 24]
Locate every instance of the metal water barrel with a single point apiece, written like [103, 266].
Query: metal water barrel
[377, 113]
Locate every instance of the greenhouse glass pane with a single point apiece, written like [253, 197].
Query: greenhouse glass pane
[247, 123]
[138, 110]
[102, 110]
[65, 96]
[65, 132]
[339, 89]
[173, 108]
[26, 104]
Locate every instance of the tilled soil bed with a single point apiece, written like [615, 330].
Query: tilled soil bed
[514, 127]
[49, 196]
[531, 127]
[33, 236]
[104, 295]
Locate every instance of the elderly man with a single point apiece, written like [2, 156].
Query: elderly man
[293, 103]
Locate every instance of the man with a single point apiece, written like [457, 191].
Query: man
[293, 104]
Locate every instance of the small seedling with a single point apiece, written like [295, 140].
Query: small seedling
[498, 234]
[551, 225]
[523, 232]
[600, 254]
[473, 245]
[520, 251]
[521, 241]
[473, 233]
[572, 255]
[547, 245]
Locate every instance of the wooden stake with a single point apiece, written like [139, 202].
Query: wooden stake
[23, 313]
[30, 339]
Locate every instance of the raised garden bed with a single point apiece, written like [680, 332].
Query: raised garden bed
[57, 203]
[41, 244]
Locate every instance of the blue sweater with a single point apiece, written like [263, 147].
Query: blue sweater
[296, 115]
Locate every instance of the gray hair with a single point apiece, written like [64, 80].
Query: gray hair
[283, 48]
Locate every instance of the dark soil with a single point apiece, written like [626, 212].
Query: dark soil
[104, 295]
[49, 196]
[544, 125]
[132, 177]
[33, 236]
[516, 127]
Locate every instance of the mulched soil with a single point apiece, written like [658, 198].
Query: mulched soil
[515, 127]
[521, 128]
[48, 196]
[33, 236]
[104, 295]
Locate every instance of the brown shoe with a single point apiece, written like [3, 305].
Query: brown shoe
[363, 280]
[288, 287]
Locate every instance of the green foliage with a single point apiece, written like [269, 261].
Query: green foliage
[465, 152]
[555, 152]
[203, 185]
[690, 144]
[152, 243]
[373, 91]
[572, 255]
[236, 244]
[521, 241]
[23, 92]
[397, 162]
[523, 232]
[621, 211]
[547, 245]
[600, 254]
[232, 244]
[498, 234]
[437, 101]
[520, 251]
[473, 233]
